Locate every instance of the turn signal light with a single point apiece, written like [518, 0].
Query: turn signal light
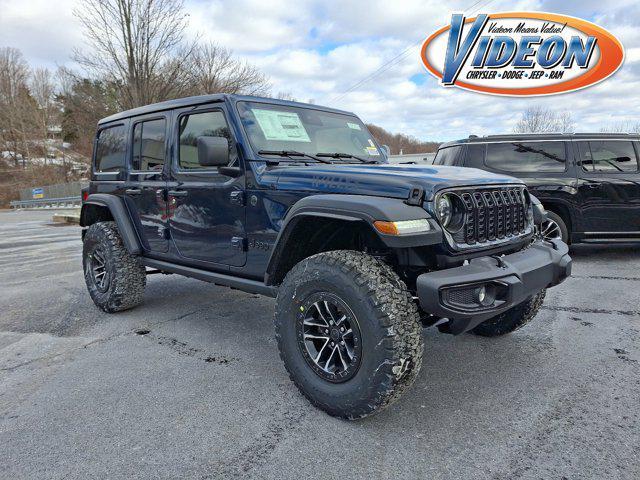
[404, 227]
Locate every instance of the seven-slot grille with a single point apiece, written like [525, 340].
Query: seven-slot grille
[492, 214]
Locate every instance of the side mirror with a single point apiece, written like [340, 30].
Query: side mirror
[386, 150]
[213, 151]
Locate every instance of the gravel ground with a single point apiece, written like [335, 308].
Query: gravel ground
[204, 395]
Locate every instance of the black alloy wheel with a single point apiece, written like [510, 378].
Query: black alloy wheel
[329, 337]
[98, 269]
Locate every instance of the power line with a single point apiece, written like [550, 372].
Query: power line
[399, 57]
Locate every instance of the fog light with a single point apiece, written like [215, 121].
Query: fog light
[485, 295]
[481, 294]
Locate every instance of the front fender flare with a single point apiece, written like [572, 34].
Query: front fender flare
[356, 208]
[120, 215]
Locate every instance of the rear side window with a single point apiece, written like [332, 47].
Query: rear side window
[149, 145]
[205, 124]
[448, 155]
[526, 157]
[110, 149]
[608, 156]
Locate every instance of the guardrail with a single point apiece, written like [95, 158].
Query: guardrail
[63, 202]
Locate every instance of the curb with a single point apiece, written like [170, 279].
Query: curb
[70, 218]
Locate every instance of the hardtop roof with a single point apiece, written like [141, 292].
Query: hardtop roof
[541, 136]
[203, 99]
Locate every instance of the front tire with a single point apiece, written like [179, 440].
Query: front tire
[511, 320]
[348, 375]
[115, 279]
[554, 227]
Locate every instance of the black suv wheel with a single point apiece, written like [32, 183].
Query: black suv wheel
[512, 319]
[348, 332]
[554, 228]
[115, 279]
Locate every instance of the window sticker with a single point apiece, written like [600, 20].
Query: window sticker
[373, 151]
[278, 125]
[353, 126]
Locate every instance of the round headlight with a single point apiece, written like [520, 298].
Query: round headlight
[450, 211]
[444, 210]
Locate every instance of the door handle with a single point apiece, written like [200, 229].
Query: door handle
[178, 193]
[133, 191]
[594, 185]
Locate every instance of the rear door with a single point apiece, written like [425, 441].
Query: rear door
[146, 186]
[609, 187]
[207, 213]
[544, 165]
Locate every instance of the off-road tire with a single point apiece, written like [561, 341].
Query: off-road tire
[512, 319]
[127, 277]
[392, 343]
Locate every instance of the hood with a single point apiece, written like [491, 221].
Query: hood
[386, 180]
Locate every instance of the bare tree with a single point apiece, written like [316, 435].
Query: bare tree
[399, 142]
[214, 69]
[137, 45]
[621, 127]
[539, 119]
[15, 102]
[43, 92]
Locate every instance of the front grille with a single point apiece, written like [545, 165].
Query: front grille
[492, 215]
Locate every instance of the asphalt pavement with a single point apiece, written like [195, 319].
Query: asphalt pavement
[190, 385]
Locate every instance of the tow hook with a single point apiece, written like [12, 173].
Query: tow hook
[501, 262]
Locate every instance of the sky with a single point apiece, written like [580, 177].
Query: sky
[330, 52]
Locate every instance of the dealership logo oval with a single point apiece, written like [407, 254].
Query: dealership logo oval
[521, 53]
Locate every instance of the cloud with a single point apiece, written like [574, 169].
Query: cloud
[45, 32]
[319, 50]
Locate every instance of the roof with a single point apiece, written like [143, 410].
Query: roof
[508, 137]
[202, 99]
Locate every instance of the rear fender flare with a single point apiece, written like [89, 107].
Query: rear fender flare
[120, 215]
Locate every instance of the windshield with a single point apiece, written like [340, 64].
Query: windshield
[285, 128]
[447, 156]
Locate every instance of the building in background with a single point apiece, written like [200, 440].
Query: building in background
[416, 158]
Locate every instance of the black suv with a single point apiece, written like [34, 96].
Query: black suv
[297, 202]
[589, 183]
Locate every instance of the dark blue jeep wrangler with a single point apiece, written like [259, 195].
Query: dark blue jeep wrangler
[297, 202]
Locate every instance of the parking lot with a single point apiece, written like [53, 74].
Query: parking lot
[190, 384]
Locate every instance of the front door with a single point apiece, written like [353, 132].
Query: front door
[609, 187]
[146, 186]
[207, 213]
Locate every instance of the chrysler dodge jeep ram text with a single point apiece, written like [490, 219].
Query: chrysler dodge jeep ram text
[297, 202]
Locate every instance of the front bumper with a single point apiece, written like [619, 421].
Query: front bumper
[510, 279]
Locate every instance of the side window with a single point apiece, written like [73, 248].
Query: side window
[608, 156]
[526, 157]
[207, 124]
[447, 156]
[148, 145]
[111, 149]
[475, 155]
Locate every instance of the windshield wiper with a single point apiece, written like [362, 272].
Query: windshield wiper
[344, 155]
[291, 154]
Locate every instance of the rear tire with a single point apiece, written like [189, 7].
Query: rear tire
[385, 356]
[115, 279]
[512, 319]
